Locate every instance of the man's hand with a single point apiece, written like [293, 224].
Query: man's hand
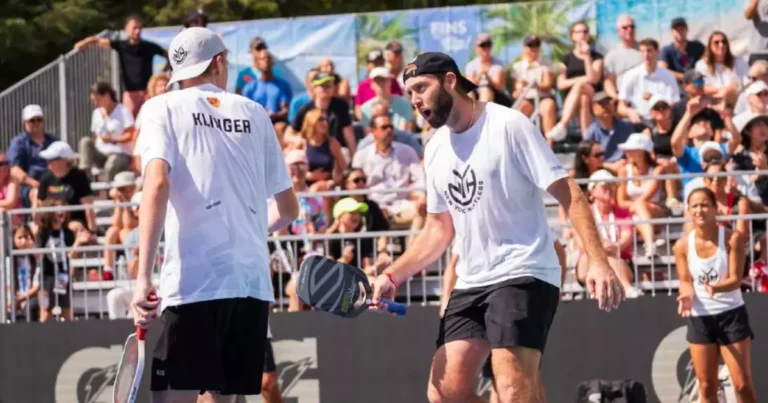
[603, 285]
[382, 287]
[694, 106]
[145, 303]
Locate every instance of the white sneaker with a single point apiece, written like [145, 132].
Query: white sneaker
[650, 251]
[675, 206]
[558, 133]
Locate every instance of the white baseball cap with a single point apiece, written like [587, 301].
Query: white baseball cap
[124, 179]
[31, 111]
[191, 52]
[58, 149]
[710, 146]
[742, 120]
[637, 141]
[655, 99]
[599, 175]
[756, 88]
[379, 72]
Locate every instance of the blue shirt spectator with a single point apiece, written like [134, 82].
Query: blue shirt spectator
[610, 139]
[400, 137]
[690, 161]
[296, 104]
[251, 74]
[400, 110]
[269, 94]
[25, 147]
[680, 61]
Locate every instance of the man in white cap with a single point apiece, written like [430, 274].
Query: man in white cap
[210, 160]
[65, 182]
[399, 107]
[24, 152]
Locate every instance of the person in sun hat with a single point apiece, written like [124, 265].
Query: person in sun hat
[211, 160]
[64, 181]
[643, 200]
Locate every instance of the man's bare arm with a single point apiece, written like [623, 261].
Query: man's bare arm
[91, 41]
[572, 199]
[428, 246]
[283, 211]
[154, 205]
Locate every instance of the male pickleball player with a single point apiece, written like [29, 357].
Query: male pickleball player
[211, 160]
[486, 168]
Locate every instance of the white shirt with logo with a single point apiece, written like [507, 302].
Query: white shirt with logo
[490, 178]
[225, 163]
[113, 127]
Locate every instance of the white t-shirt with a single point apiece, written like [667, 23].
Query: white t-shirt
[489, 179]
[722, 77]
[637, 83]
[113, 126]
[225, 163]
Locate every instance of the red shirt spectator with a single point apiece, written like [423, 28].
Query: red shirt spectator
[364, 89]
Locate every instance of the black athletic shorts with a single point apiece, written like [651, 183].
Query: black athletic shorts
[722, 329]
[212, 346]
[516, 312]
[269, 357]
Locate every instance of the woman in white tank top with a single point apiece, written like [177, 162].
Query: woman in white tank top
[710, 264]
[641, 197]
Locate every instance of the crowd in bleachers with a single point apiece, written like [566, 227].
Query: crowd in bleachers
[642, 109]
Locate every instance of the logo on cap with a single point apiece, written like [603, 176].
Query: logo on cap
[179, 55]
[215, 102]
[409, 69]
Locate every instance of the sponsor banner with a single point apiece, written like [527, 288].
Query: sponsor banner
[376, 358]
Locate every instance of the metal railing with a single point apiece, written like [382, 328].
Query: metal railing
[61, 89]
[90, 291]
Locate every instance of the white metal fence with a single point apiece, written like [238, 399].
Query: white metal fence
[61, 89]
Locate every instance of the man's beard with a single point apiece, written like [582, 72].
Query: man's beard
[442, 109]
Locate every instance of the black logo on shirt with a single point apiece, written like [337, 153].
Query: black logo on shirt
[179, 55]
[710, 275]
[227, 125]
[466, 190]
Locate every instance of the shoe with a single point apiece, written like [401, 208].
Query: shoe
[650, 251]
[558, 133]
[675, 206]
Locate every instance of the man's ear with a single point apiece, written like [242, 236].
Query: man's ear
[451, 80]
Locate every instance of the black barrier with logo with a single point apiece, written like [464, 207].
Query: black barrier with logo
[377, 358]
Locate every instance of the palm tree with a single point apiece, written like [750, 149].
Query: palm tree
[374, 33]
[547, 20]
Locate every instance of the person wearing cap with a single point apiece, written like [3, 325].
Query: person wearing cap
[616, 239]
[211, 160]
[622, 58]
[114, 131]
[697, 127]
[342, 84]
[641, 83]
[488, 73]
[27, 166]
[305, 97]
[757, 45]
[758, 71]
[754, 99]
[643, 200]
[693, 87]
[399, 107]
[364, 89]
[394, 60]
[258, 48]
[609, 130]
[348, 219]
[581, 76]
[196, 18]
[271, 92]
[661, 134]
[724, 73]
[63, 181]
[486, 168]
[532, 70]
[136, 60]
[336, 110]
[754, 132]
[683, 53]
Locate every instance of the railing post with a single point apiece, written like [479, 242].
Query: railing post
[114, 64]
[6, 267]
[63, 136]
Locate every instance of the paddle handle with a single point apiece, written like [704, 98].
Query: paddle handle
[141, 333]
[395, 307]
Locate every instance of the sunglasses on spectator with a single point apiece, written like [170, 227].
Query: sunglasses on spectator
[600, 154]
[360, 180]
[719, 42]
[581, 31]
[698, 83]
[660, 107]
[322, 119]
[260, 47]
[299, 166]
[762, 94]
[485, 44]
[386, 127]
[631, 26]
[711, 159]
[36, 120]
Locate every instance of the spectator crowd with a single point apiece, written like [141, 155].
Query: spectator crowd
[641, 110]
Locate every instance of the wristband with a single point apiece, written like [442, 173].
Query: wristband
[392, 279]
